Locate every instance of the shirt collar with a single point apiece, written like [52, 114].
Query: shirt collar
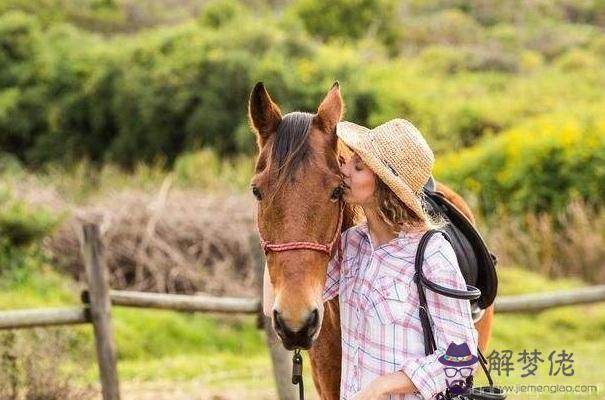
[362, 228]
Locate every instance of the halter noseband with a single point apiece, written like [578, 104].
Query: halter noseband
[323, 248]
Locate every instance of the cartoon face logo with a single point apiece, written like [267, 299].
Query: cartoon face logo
[457, 362]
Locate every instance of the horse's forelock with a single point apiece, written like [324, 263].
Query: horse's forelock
[291, 147]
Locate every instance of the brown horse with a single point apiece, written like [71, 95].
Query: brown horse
[297, 184]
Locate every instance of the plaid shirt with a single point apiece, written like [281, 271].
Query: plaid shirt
[381, 330]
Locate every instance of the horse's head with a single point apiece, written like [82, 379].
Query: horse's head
[298, 188]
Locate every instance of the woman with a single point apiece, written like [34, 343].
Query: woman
[382, 340]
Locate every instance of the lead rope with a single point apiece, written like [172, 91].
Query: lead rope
[297, 378]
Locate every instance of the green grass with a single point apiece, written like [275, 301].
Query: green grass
[575, 329]
[40, 288]
[223, 351]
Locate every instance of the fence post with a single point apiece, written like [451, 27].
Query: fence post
[100, 309]
[280, 357]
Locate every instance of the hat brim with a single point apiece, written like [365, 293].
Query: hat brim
[357, 138]
[466, 363]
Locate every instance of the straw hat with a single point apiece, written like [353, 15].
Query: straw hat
[397, 153]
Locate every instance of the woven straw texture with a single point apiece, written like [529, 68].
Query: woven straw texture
[395, 151]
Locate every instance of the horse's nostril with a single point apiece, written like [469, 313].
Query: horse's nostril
[313, 322]
[314, 319]
[278, 322]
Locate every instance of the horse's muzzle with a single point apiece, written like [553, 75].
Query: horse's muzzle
[303, 337]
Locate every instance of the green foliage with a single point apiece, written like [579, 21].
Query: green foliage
[349, 19]
[537, 167]
[204, 169]
[151, 99]
[459, 71]
[218, 13]
[448, 27]
[21, 225]
[19, 102]
[21, 229]
[577, 60]
[151, 334]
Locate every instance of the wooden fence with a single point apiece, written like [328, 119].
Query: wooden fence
[98, 300]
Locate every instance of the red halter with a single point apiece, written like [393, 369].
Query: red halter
[324, 248]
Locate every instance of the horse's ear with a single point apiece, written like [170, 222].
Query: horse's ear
[263, 113]
[331, 109]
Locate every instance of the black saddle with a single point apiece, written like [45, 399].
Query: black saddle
[477, 264]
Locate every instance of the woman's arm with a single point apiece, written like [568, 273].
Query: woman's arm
[451, 319]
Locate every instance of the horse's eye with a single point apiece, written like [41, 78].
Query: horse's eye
[256, 193]
[337, 193]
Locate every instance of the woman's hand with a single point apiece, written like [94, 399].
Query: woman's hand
[397, 382]
[371, 392]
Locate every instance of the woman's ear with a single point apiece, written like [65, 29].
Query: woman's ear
[330, 110]
[263, 113]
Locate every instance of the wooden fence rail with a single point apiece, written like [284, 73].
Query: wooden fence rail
[80, 315]
[44, 317]
[543, 301]
[98, 300]
[180, 302]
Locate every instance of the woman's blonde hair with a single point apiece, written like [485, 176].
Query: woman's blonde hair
[400, 217]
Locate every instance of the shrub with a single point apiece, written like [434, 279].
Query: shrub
[20, 105]
[28, 366]
[21, 225]
[205, 170]
[446, 59]
[537, 167]
[167, 91]
[448, 27]
[218, 13]
[21, 231]
[350, 19]
[68, 95]
[552, 40]
[576, 60]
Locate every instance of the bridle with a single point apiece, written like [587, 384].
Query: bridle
[328, 248]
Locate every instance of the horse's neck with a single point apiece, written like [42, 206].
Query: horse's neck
[348, 218]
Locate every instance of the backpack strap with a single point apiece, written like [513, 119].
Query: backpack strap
[429, 339]
[471, 292]
[421, 282]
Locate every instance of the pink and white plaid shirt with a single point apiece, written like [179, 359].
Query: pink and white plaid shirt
[381, 330]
